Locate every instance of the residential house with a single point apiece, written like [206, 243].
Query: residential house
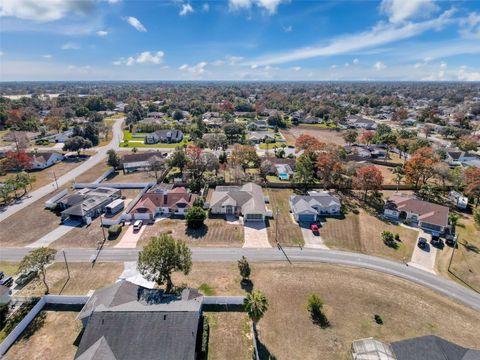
[244, 114]
[155, 114]
[126, 321]
[86, 203]
[58, 138]
[164, 136]
[310, 120]
[283, 171]
[307, 208]
[171, 202]
[258, 137]
[457, 157]
[247, 200]
[141, 161]
[430, 217]
[45, 159]
[359, 122]
[298, 116]
[427, 347]
[257, 125]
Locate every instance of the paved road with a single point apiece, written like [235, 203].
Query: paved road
[71, 175]
[423, 278]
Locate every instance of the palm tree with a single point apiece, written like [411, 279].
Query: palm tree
[256, 304]
[453, 219]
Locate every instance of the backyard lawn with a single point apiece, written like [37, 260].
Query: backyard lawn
[217, 232]
[289, 233]
[323, 135]
[352, 298]
[362, 233]
[83, 278]
[50, 336]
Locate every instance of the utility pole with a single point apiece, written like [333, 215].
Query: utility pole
[276, 225]
[55, 177]
[103, 229]
[66, 264]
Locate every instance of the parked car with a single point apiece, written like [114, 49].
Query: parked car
[1, 275]
[314, 228]
[437, 242]
[450, 240]
[26, 277]
[137, 225]
[7, 281]
[422, 243]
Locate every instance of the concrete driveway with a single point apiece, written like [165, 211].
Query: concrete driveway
[311, 240]
[256, 235]
[67, 226]
[130, 238]
[424, 258]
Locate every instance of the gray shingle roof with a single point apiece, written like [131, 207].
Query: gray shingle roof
[306, 203]
[249, 197]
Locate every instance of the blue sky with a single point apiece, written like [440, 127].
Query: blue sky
[239, 40]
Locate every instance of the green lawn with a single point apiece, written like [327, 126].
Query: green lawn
[322, 125]
[127, 135]
[9, 268]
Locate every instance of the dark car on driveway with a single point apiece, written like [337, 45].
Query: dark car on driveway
[422, 243]
[437, 242]
[7, 281]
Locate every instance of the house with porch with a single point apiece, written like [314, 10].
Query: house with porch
[43, 160]
[247, 201]
[432, 218]
[307, 208]
[164, 136]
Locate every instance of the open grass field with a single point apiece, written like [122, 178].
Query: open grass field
[352, 298]
[53, 339]
[10, 268]
[217, 232]
[230, 336]
[138, 176]
[362, 233]
[323, 135]
[93, 173]
[83, 278]
[289, 233]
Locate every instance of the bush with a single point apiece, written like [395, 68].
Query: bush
[195, 217]
[389, 239]
[198, 202]
[114, 231]
[378, 319]
[314, 307]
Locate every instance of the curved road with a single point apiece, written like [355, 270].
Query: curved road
[423, 278]
[71, 175]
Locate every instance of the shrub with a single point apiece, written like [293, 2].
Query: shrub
[476, 216]
[195, 217]
[315, 307]
[198, 202]
[378, 319]
[244, 268]
[114, 231]
[389, 239]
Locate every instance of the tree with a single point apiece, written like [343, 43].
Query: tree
[350, 136]
[472, 183]
[469, 143]
[235, 133]
[398, 175]
[38, 260]
[53, 123]
[420, 167]
[315, 308]
[400, 114]
[265, 169]
[304, 174]
[222, 158]
[195, 217]
[178, 159]
[244, 268]
[18, 160]
[308, 143]
[90, 132]
[256, 304]
[366, 137]
[245, 156]
[329, 167]
[77, 143]
[113, 159]
[162, 256]
[177, 115]
[453, 220]
[156, 164]
[367, 178]
[23, 180]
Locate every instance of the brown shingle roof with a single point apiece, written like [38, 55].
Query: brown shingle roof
[174, 199]
[426, 211]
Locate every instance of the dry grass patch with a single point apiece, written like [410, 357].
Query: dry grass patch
[323, 135]
[230, 336]
[93, 173]
[217, 232]
[352, 297]
[289, 232]
[54, 340]
[83, 278]
[138, 176]
[9, 268]
[362, 233]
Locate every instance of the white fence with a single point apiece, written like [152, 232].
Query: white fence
[52, 202]
[104, 175]
[113, 185]
[46, 299]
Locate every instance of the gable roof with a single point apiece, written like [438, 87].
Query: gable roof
[248, 197]
[140, 156]
[306, 203]
[173, 199]
[432, 348]
[426, 211]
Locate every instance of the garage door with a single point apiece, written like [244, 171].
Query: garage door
[306, 218]
[254, 217]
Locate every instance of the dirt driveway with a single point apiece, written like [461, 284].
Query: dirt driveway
[256, 235]
[424, 258]
[311, 240]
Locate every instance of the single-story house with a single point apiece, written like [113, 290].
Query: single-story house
[171, 202]
[5, 294]
[356, 121]
[261, 136]
[257, 125]
[164, 136]
[458, 158]
[430, 217]
[42, 160]
[126, 321]
[247, 200]
[310, 120]
[58, 138]
[307, 208]
[283, 171]
[429, 347]
[86, 203]
[141, 161]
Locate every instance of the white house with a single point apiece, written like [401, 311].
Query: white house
[307, 208]
[45, 159]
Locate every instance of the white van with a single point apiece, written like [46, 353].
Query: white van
[137, 225]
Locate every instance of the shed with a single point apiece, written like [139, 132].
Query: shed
[114, 207]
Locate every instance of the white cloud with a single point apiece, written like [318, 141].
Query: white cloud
[254, 66]
[401, 10]
[333, 66]
[380, 34]
[44, 10]
[288, 29]
[356, 61]
[194, 69]
[269, 5]
[1, 53]
[102, 33]
[205, 7]
[135, 23]
[145, 57]
[70, 46]
[443, 65]
[47, 56]
[379, 66]
[186, 9]
[465, 75]
[470, 26]
[113, 1]
[297, 68]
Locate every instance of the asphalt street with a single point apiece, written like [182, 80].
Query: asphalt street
[441, 285]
